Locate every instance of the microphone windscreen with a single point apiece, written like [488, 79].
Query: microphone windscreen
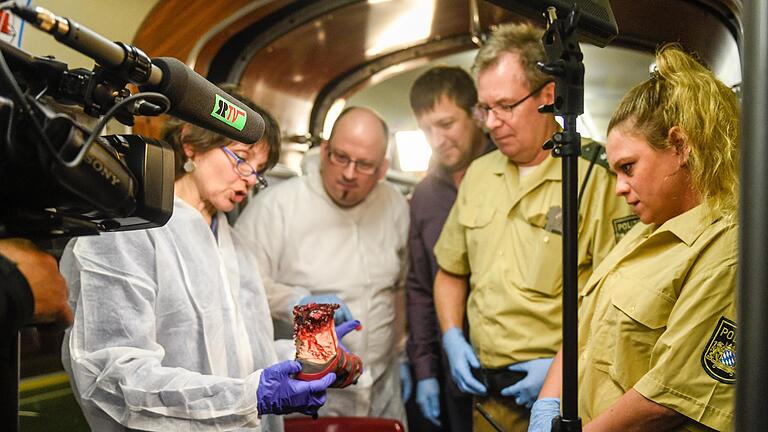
[198, 101]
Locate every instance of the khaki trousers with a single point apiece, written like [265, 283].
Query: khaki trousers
[504, 411]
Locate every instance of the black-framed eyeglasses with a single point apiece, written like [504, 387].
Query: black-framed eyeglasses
[361, 166]
[503, 111]
[245, 170]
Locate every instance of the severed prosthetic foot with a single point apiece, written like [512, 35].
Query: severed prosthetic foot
[317, 348]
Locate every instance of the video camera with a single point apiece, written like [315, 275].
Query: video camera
[58, 178]
[120, 182]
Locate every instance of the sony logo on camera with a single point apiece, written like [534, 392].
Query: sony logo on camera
[102, 169]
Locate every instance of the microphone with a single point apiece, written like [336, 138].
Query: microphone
[193, 98]
[198, 101]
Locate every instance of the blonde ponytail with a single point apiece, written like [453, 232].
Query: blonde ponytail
[684, 93]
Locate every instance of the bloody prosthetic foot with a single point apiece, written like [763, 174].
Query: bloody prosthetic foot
[317, 349]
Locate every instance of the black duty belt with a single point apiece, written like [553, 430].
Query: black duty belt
[497, 379]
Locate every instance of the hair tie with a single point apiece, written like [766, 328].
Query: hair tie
[653, 71]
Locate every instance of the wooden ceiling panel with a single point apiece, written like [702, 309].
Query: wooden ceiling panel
[298, 65]
[244, 17]
[173, 27]
[286, 65]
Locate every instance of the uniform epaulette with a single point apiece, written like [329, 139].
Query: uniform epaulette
[588, 150]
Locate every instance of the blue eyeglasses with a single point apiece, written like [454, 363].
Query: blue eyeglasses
[245, 170]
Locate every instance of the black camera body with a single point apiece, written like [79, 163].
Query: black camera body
[122, 182]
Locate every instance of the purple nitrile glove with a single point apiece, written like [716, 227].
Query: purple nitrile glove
[279, 393]
[344, 328]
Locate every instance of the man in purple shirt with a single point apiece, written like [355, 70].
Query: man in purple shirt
[442, 99]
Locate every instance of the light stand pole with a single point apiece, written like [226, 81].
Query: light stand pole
[564, 63]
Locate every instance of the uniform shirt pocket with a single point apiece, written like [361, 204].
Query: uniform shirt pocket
[476, 216]
[476, 221]
[543, 261]
[639, 318]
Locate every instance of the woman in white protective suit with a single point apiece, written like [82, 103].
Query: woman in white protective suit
[172, 330]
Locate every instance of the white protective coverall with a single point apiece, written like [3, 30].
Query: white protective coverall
[171, 330]
[306, 244]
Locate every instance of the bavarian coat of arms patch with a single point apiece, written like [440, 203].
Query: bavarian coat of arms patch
[719, 356]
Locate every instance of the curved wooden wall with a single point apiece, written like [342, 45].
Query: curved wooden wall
[301, 58]
[172, 29]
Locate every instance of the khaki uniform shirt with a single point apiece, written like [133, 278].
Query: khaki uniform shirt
[659, 316]
[500, 234]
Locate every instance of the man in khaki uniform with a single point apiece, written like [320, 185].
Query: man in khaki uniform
[502, 244]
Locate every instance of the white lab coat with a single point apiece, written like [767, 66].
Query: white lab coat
[306, 244]
[172, 328]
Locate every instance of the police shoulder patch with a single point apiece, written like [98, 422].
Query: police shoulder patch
[593, 150]
[621, 226]
[719, 356]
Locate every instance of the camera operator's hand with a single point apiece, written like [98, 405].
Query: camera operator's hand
[48, 286]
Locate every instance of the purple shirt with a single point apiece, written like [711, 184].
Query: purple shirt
[431, 202]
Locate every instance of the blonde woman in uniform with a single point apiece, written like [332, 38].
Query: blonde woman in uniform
[657, 329]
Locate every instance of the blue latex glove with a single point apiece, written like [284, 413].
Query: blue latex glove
[542, 413]
[461, 357]
[405, 380]
[344, 328]
[278, 393]
[527, 389]
[342, 313]
[428, 398]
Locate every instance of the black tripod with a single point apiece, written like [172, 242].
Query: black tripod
[564, 63]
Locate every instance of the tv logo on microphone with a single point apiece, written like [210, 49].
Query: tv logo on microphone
[228, 113]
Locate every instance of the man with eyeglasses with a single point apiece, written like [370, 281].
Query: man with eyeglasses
[500, 250]
[338, 235]
[442, 99]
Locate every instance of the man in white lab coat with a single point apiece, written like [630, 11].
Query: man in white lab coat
[338, 234]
